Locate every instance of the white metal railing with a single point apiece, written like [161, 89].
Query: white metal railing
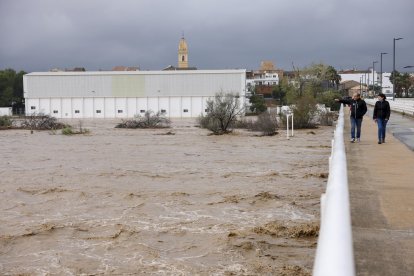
[334, 253]
[400, 105]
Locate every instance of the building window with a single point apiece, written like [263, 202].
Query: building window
[55, 111]
[142, 111]
[33, 107]
[77, 111]
[205, 110]
[98, 111]
[120, 111]
[185, 110]
[163, 111]
[182, 58]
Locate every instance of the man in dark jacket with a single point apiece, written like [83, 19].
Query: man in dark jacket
[381, 116]
[358, 110]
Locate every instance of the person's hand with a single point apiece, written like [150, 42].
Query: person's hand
[336, 100]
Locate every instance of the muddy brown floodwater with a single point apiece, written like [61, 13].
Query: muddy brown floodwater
[149, 202]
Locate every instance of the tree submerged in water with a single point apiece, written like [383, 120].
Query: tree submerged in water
[222, 112]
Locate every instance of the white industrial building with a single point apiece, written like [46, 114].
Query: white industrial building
[112, 94]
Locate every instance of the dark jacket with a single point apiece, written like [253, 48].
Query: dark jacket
[382, 110]
[358, 107]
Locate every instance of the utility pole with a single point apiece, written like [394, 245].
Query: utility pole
[393, 69]
[381, 71]
[373, 76]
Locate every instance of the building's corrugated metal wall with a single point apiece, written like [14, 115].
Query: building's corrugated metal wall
[187, 83]
[69, 108]
[115, 95]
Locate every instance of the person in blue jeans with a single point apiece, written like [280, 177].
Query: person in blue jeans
[381, 116]
[358, 110]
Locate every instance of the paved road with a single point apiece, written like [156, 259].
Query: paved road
[402, 127]
[381, 183]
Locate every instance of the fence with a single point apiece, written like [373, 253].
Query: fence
[334, 253]
[405, 106]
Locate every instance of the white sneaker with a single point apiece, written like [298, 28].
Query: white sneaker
[358, 140]
[353, 140]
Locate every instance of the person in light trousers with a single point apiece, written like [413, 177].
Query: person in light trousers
[381, 116]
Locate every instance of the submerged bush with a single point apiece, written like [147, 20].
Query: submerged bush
[267, 123]
[326, 117]
[149, 120]
[67, 130]
[41, 122]
[5, 122]
[304, 113]
[222, 112]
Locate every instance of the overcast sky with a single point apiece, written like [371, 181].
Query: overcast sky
[37, 35]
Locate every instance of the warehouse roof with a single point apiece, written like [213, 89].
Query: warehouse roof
[106, 73]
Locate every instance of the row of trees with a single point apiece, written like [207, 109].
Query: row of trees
[318, 83]
[11, 88]
[402, 82]
[315, 84]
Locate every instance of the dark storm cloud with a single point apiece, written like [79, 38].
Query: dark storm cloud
[43, 34]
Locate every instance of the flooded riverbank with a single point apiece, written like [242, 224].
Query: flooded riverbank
[133, 202]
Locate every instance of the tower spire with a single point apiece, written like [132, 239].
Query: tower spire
[182, 53]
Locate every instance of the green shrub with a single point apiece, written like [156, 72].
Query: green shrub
[67, 130]
[267, 123]
[304, 113]
[6, 122]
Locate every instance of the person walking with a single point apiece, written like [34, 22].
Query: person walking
[358, 110]
[381, 116]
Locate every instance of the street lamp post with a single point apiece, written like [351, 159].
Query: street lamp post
[393, 68]
[373, 76]
[381, 71]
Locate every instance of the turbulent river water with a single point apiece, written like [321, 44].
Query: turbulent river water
[160, 202]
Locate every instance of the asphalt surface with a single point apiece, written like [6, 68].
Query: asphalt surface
[401, 126]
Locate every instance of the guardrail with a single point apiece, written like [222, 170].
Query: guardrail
[404, 106]
[334, 253]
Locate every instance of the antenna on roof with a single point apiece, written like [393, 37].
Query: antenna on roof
[183, 34]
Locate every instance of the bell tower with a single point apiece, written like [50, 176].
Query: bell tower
[182, 54]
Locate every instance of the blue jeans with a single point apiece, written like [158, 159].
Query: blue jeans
[357, 123]
[382, 125]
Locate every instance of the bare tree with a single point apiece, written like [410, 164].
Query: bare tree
[149, 120]
[41, 122]
[222, 112]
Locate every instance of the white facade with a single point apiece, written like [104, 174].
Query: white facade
[6, 111]
[387, 86]
[263, 79]
[125, 94]
[367, 79]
